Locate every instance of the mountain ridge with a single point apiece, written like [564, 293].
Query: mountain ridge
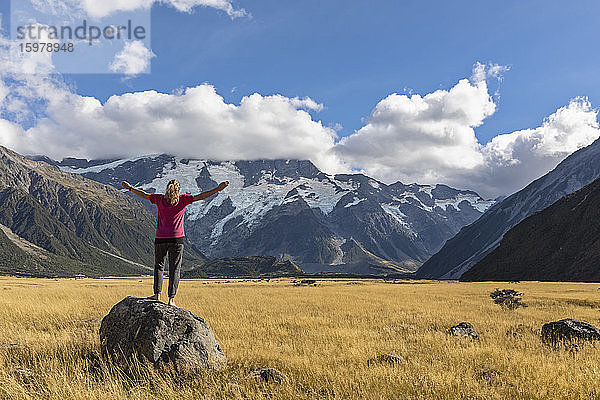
[558, 243]
[291, 210]
[91, 226]
[475, 241]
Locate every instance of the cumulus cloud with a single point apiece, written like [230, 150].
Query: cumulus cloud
[431, 139]
[412, 138]
[10, 134]
[197, 123]
[134, 59]
[27, 79]
[104, 8]
[515, 159]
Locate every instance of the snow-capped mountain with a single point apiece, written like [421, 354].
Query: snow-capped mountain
[290, 209]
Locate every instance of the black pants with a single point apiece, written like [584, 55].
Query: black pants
[175, 253]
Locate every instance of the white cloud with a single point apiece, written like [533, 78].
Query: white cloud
[4, 92]
[224, 5]
[431, 139]
[515, 159]
[133, 59]
[482, 72]
[413, 138]
[103, 8]
[420, 138]
[306, 103]
[27, 79]
[196, 123]
[11, 134]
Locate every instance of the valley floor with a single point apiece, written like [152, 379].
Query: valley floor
[320, 336]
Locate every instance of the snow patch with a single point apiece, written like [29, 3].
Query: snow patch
[102, 167]
[410, 195]
[395, 212]
[476, 202]
[426, 189]
[354, 202]
[320, 194]
[374, 184]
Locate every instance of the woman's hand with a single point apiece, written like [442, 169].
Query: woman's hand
[223, 185]
[126, 185]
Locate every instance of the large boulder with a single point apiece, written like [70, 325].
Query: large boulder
[567, 330]
[159, 333]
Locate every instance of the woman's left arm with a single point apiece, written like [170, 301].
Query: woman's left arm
[207, 194]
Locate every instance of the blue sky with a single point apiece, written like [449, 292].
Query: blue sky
[349, 56]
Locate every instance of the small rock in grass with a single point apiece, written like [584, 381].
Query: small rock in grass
[23, 373]
[267, 375]
[567, 330]
[487, 375]
[386, 358]
[463, 330]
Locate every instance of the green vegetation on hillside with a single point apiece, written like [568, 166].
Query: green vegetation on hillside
[85, 227]
[252, 266]
[15, 261]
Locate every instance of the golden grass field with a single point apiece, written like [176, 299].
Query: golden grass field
[320, 337]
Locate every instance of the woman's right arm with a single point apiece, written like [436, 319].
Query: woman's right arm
[137, 192]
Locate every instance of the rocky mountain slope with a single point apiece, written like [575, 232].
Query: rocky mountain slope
[559, 243]
[19, 257]
[475, 241]
[291, 210]
[74, 221]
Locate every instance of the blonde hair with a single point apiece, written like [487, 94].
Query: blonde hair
[172, 192]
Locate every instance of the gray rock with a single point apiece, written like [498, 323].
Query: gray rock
[387, 358]
[157, 332]
[488, 375]
[463, 330]
[23, 373]
[567, 330]
[267, 375]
